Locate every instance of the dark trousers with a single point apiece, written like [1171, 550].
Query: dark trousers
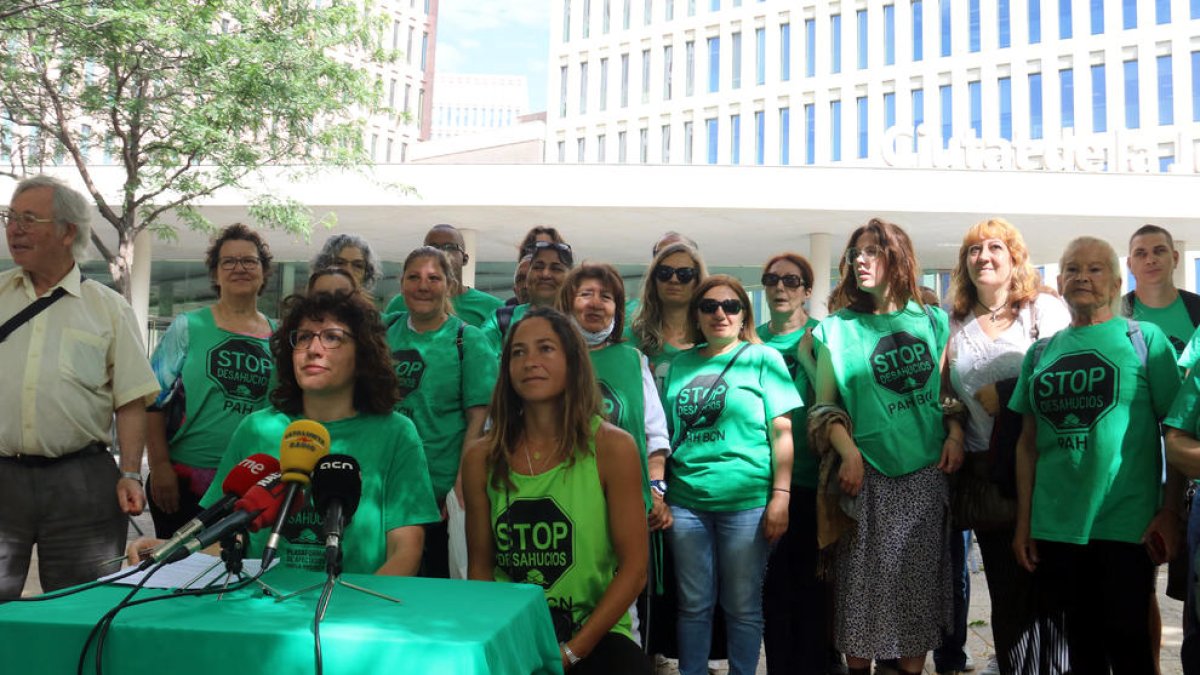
[797, 605]
[1103, 590]
[1190, 652]
[950, 655]
[614, 654]
[69, 509]
[165, 524]
[1027, 642]
[435, 558]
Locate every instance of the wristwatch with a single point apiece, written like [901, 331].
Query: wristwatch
[659, 486]
[572, 659]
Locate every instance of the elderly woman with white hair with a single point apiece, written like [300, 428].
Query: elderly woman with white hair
[352, 253]
[1090, 520]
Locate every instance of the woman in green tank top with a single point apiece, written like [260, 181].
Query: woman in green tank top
[553, 496]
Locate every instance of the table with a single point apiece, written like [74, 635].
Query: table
[441, 626]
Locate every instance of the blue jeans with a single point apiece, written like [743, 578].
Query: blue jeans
[719, 553]
[1190, 653]
[951, 656]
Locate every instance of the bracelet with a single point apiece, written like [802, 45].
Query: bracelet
[132, 475]
[572, 659]
[781, 490]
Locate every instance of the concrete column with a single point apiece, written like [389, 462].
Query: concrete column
[139, 281]
[1185, 274]
[821, 257]
[287, 279]
[468, 271]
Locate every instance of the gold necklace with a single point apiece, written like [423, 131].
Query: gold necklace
[531, 454]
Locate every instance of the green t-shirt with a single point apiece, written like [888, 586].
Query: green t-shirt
[619, 373]
[725, 461]
[491, 327]
[1191, 352]
[225, 377]
[1172, 319]
[805, 465]
[1185, 409]
[473, 306]
[1098, 442]
[887, 369]
[437, 387]
[552, 530]
[395, 487]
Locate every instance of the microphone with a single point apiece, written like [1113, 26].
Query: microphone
[336, 489]
[257, 509]
[240, 479]
[304, 443]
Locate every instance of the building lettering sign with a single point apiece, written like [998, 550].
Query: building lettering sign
[1124, 151]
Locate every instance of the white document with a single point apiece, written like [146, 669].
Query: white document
[194, 571]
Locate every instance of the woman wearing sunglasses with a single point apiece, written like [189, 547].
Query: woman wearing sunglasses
[729, 402]
[881, 358]
[548, 268]
[660, 327]
[795, 602]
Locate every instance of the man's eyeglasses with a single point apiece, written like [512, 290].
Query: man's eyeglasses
[789, 280]
[22, 221]
[330, 338]
[685, 275]
[869, 253]
[248, 263]
[730, 307]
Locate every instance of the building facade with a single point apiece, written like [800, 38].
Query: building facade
[472, 104]
[1058, 85]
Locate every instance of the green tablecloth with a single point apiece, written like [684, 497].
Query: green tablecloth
[441, 627]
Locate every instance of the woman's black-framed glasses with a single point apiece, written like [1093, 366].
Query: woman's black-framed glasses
[685, 275]
[730, 307]
[330, 338]
[789, 280]
[248, 263]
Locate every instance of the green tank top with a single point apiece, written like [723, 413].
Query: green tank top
[619, 374]
[226, 376]
[551, 530]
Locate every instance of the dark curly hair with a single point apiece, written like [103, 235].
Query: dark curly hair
[237, 232]
[376, 390]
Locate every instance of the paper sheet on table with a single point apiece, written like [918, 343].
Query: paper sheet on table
[196, 571]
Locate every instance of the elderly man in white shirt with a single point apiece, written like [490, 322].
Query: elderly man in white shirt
[67, 369]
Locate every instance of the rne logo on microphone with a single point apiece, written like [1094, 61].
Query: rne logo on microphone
[253, 466]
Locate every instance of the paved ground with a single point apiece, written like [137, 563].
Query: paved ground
[979, 638]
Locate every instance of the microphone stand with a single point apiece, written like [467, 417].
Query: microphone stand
[333, 572]
[233, 553]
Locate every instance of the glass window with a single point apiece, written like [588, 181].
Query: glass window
[606, 16]
[669, 12]
[714, 5]
[1097, 16]
[645, 76]
[690, 68]
[944, 25]
[562, 152]
[562, 91]
[600, 139]
[424, 49]
[622, 139]
[648, 13]
[735, 139]
[711, 124]
[666, 143]
[1005, 29]
[688, 133]
[1162, 11]
[624, 80]
[760, 55]
[1005, 108]
[860, 18]
[835, 131]
[1066, 94]
[785, 51]
[668, 64]
[1166, 91]
[625, 16]
[1099, 100]
[759, 140]
[973, 39]
[1195, 83]
[835, 43]
[947, 104]
[1132, 117]
[889, 35]
[566, 20]
[583, 87]
[1195, 12]
[1064, 19]
[1128, 14]
[889, 110]
[580, 149]
[810, 133]
[585, 19]
[918, 112]
[975, 94]
[691, 8]
[860, 105]
[1165, 162]
[604, 83]
[1035, 105]
[714, 64]
[736, 75]
[918, 29]
[1035, 21]
[643, 145]
[810, 47]
[785, 136]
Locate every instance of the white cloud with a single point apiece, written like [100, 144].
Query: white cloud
[450, 58]
[475, 15]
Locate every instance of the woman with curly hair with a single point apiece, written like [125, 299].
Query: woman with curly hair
[880, 357]
[550, 464]
[353, 254]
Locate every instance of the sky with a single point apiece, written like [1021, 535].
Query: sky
[496, 37]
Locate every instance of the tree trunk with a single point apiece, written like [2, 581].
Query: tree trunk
[121, 264]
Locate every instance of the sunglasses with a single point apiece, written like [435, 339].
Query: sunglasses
[563, 250]
[789, 280]
[710, 306]
[685, 275]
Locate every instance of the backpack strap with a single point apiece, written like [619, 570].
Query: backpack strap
[1138, 339]
[458, 341]
[504, 316]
